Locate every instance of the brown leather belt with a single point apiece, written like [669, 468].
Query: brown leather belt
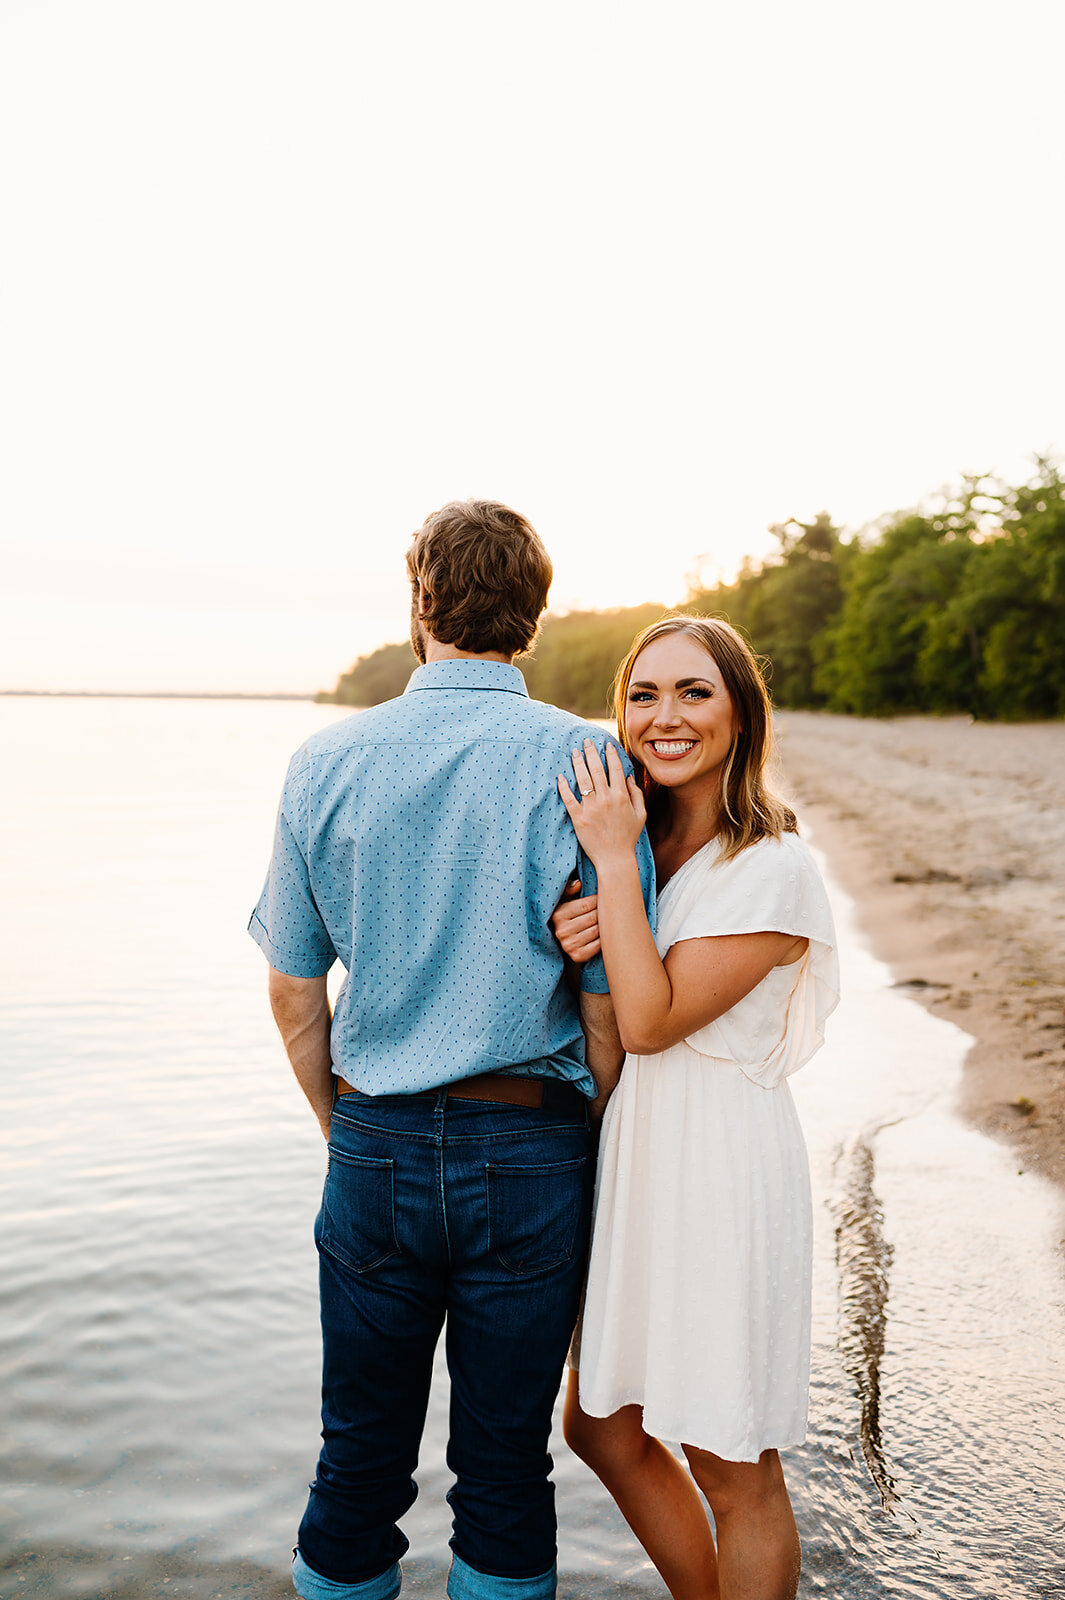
[494, 1086]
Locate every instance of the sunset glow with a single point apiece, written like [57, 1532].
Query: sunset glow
[280, 281]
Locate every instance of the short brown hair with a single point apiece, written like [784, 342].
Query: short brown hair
[485, 575]
[749, 809]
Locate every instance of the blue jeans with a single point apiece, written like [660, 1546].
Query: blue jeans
[476, 1212]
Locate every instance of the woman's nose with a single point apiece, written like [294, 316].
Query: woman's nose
[667, 715]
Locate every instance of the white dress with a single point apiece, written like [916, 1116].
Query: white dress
[697, 1305]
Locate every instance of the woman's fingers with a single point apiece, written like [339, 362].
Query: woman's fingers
[575, 923]
[639, 805]
[615, 770]
[578, 925]
[585, 781]
[571, 911]
[581, 946]
[609, 804]
[569, 799]
[594, 763]
[566, 925]
[592, 776]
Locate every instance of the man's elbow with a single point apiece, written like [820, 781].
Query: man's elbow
[605, 1061]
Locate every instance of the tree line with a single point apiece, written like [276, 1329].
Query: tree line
[958, 606]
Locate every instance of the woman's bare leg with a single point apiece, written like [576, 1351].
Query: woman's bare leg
[757, 1542]
[653, 1492]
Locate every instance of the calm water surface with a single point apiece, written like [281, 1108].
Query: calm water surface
[160, 1175]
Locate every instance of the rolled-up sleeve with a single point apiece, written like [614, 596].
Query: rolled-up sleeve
[286, 923]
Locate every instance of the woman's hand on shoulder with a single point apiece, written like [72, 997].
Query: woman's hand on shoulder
[610, 814]
[575, 923]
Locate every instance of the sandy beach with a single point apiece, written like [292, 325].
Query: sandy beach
[950, 836]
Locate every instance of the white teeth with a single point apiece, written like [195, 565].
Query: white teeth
[672, 747]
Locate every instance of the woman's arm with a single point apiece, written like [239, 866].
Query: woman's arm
[657, 1003]
[706, 978]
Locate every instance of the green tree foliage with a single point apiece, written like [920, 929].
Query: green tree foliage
[576, 656]
[960, 609]
[870, 658]
[1007, 616]
[783, 605]
[955, 607]
[381, 675]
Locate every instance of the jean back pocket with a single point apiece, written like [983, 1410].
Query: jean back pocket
[535, 1214]
[357, 1222]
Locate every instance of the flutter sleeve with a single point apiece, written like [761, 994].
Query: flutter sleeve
[774, 886]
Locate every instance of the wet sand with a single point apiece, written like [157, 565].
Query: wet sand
[950, 836]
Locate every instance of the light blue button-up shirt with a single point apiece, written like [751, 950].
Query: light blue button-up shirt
[423, 844]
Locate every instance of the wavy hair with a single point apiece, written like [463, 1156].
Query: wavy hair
[485, 575]
[749, 809]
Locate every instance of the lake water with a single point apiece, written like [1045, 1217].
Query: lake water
[160, 1175]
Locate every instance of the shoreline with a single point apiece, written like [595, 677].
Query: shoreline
[150, 694]
[950, 838]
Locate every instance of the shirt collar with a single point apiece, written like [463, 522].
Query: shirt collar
[467, 675]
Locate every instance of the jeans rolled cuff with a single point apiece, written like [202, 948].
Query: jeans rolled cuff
[310, 1585]
[466, 1583]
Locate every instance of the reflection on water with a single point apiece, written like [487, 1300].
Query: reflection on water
[863, 1257]
[158, 1339]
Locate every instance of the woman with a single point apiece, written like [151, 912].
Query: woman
[696, 1326]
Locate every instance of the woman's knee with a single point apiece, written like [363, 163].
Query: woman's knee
[731, 1484]
[583, 1434]
[606, 1444]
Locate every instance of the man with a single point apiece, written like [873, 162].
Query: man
[424, 845]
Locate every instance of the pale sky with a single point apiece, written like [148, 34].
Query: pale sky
[278, 279]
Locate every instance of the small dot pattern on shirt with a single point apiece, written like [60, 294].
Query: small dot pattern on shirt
[423, 844]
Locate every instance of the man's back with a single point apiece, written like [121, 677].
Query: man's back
[424, 843]
[436, 848]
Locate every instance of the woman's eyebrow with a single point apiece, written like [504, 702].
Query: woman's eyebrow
[681, 683]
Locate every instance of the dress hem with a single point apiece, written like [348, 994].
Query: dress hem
[670, 1436]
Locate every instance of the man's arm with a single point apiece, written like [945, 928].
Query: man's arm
[301, 1011]
[603, 1051]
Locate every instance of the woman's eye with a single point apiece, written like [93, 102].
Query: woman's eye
[639, 697]
[698, 694]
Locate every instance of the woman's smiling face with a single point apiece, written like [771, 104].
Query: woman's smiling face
[679, 721]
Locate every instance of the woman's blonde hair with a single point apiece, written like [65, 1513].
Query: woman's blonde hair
[749, 809]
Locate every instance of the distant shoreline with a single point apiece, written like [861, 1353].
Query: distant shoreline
[145, 694]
